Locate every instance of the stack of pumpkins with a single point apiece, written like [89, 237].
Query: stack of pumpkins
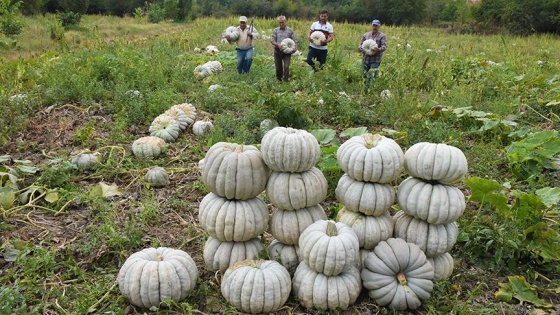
[370, 162]
[232, 213]
[295, 189]
[430, 203]
[328, 278]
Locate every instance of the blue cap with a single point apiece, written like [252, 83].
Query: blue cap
[376, 22]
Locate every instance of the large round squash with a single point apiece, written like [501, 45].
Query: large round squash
[431, 202]
[287, 255]
[256, 286]
[292, 191]
[329, 247]
[150, 276]
[220, 255]
[148, 147]
[157, 177]
[233, 220]
[398, 275]
[189, 110]
[316, 290]
[290, 150]
[433, 239]
[436, 161]
[287, 225]
[443, 266]
[165, 127]
[365, 197]
[179, 116]
[234, 171]
[371, 158]
[369, 229]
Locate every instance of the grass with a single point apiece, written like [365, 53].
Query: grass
[70, 248]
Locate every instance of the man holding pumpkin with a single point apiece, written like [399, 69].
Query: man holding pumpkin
[244, 45]
[283, 55]
[372, 59]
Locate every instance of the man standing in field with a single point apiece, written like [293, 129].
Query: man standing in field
[244, 45]
[281, 59]
[319, 51]
[372, 60]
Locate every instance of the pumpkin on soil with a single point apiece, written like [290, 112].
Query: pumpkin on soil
[398, 275]
[287, 225]
[371, 158]
[202, 128]
[234, 171]
[256, 286]
[292, 191]
[443, 266]
[148, 147]
[165, 127]
[436, 161]
[189, 110]
[365, 197]
[220, 255]
[157, 177]
[86, 161]
[290, 150]
[370, 229]
[179, 116]
[153, 275]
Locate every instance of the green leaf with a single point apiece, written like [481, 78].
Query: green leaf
[10, 253]
[352, 132]
[324, 136]
[550, 195]
[485, 190]
[552, 103]
[4, 158]
[7, 199]
[543, 241]
[104, 190]
[488, 124]
[51, 196]
[29, 193]
[27, 169]
[528, 208]
[518, 288]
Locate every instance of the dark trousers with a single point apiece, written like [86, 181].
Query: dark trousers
[320, 55]
[282, 65]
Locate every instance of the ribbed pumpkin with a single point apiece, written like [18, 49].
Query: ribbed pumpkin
[189, 110]
[397, 274]
[203, 128]
[148, 147]
[233, 220]
[287, 255]
[157, 177]
[287, 225]
[431, 202]
[292, 191]
[165, 127]
[220, 255]
[234, 171]
[290, 150]
[315, 289]
[85, 161]
[365, 197]
[179, 116]
[256, 286]
[443, 266]
[329, 247]
[318, 37]
[153, 275]
[370, 229]
[371, 158]
[433, 239]
[436, 161]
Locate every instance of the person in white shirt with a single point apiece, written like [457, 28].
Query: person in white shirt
[244, 45]
[319, 52]
[281, 59]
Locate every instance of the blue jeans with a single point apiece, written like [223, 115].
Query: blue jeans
[367, 75]
[244, 59]
[319, 54]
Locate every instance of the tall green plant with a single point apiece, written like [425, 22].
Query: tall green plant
[10, 24]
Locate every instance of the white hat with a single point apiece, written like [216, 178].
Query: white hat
[242, 18]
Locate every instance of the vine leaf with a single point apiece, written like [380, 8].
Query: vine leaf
[518, 288]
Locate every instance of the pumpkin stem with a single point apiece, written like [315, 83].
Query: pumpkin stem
[159, 258]
[372, 140]
[402, 278]
[239, 148]
[331, 228]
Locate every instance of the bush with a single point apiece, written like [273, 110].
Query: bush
[11, 25]
[155, 13]
[68, 19]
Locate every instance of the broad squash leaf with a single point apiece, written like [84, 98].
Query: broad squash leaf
[518, 288]
[487, 190]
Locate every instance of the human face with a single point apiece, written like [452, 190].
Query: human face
[323, 18]
[242, 25]
[282, 24]
[374, 28]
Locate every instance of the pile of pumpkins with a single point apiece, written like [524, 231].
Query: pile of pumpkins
[395, 258]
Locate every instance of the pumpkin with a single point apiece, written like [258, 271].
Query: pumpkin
[267, 125]
[85, 161]
[361, 256]
[165, 127]
[157, 177]
[433, 239]
[179, 116]
[202, 71]
[317, 37]
[292, 191]
[153, 275]
[365, 197]
[288, 46]
[431, 202]
[436, 161]
[371, 158]
[370, 229]
[443, 266]
[256, 286]
[329, 247]
[220, 255]
[232, 32]
[148, 147]
[211, 50]
[203, 128]
[233, 220]
[315, 289]
[287, 255]
[287, 225]
[212, 88]
[398, 275]
[290, 150]
[189, 110]
[368, 46]
[234, 171]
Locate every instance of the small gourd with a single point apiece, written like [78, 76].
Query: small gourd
[203, 128]
[370, 229]
[153, 275]
[292, 191]
[220, 255]
[85, 161]
[290, 150]
[398, 275]
[287, 225]
[443, 266]
[436, 161]
[256, 286]
[365, 197]
[157, 177]
[165, 127]
[287, 255]
[149, 147]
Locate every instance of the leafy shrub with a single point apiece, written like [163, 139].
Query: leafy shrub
[69, 19]
[155, 13]
[11, 25]
[57, 31]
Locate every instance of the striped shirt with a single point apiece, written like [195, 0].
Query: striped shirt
[381, 41]
[326, 28]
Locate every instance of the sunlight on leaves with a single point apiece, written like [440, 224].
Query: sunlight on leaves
[550, 195]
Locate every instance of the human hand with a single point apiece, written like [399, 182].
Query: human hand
[324, 42]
